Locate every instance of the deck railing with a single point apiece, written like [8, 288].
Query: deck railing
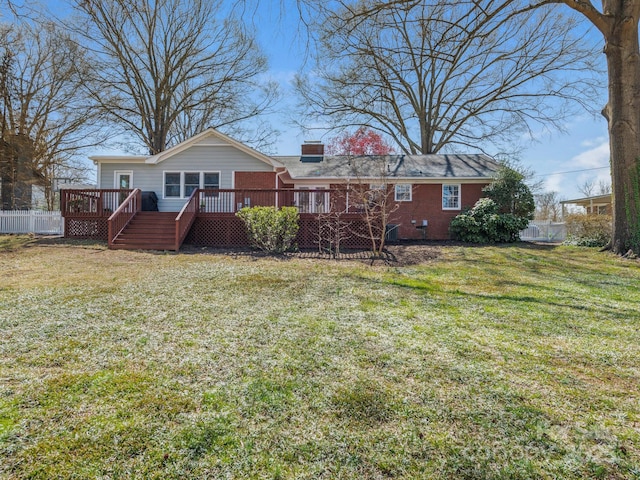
[91, 203]
[233, 200]
[208, 217]
[185, 218]
[123, 214]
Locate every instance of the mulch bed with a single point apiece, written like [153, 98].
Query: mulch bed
[400, 255]
[396, 255]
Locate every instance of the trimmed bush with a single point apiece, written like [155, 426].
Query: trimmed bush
[269, 229]
[485, 224]
[588, 230]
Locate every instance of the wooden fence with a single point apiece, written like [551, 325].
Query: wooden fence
[31, 221]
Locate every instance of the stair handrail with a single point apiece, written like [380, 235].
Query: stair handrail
[186, 217]
[119, 219]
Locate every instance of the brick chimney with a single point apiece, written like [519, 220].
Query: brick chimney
[312, 151]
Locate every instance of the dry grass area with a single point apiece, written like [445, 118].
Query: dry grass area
[518, 362]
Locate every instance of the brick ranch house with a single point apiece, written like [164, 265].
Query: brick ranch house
[191, 192]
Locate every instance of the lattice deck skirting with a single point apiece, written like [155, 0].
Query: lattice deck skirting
[83, 227]
[226, 231]
[220, 230]
[217, 230]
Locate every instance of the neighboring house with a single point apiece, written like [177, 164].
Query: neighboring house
[599, 204]
[227, 175]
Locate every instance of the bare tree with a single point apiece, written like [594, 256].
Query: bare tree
[587, 188]
[168, 69]
[372, 194]
[617, 21]
[333, 226]
[604, 187]
[45, 122]
[548, 206]
[438, 75]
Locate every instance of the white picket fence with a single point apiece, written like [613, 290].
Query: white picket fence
[31, 221]
[544, 231]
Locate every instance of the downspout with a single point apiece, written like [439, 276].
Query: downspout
[347, 207]
[98, 174]
[284, 170]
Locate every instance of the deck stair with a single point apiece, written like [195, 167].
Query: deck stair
[148, 231]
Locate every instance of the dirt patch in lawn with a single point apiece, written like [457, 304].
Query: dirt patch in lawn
[414, 254]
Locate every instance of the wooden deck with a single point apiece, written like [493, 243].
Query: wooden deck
[207, 218]
[148, 231]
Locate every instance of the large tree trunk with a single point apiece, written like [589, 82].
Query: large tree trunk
[623, 114]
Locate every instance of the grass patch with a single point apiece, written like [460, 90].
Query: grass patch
[497, 362]
[364, 401]
[9, 243]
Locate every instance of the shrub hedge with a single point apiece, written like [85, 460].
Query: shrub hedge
[270, 229]
[588, 230]
[483, 223]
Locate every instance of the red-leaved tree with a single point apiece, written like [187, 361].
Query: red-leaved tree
[369, 191]
[363, 141]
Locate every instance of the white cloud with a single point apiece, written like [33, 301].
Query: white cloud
[595, 157]
[555, 183]
[597, 177]
[594, 142]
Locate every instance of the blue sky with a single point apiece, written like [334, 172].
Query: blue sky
[582, 150]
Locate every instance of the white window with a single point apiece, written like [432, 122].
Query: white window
[376, 194]
[211, 180]
[191, 182]
[183, 184]
[123, 179]
[172, 184]
[313, 201]
[451, 197]
[403, 192]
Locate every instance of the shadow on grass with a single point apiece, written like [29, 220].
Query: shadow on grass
[436, 289]
[69, 242]
[11, 243]
[402, 254]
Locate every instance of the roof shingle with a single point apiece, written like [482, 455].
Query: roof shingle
[446, 166]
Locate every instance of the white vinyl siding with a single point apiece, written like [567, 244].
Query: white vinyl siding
[211, 160]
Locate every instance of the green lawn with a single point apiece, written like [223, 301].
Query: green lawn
[498, 362]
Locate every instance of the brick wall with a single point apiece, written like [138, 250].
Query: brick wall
[266, 180]
[426, 204]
